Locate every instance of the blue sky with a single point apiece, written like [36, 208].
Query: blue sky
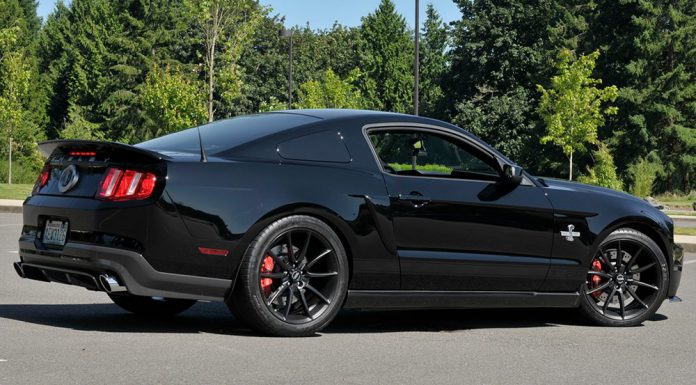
[322, 13]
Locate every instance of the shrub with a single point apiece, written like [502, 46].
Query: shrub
[643, 174]
[22, 172]
[604, 172]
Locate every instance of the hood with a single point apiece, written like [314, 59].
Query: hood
[559, 184]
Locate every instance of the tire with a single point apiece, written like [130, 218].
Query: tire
[304, 285]
[149, 306]
[614, 298]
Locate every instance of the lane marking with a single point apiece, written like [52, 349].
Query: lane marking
[1, 360]
[10, 224]
[688, 262]
[13, 251]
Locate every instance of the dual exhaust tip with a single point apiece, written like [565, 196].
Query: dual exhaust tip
[18, 268]
[110, 284]
[106, 282]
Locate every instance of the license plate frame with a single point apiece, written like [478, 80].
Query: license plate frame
[55, 232]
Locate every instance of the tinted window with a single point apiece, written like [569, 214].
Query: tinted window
[226, 134]
[325, 146]
[421, 153]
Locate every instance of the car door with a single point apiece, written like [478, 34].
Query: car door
[456, 226]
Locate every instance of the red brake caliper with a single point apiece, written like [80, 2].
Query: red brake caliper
[267, 267]
[596, 280]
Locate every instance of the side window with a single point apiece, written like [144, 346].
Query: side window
[422, 153]
[324, 146]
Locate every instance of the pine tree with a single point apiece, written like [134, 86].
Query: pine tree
[386, 57]
[661, 92]
[501, 50]
[433, 64]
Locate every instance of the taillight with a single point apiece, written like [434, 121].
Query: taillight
[122, 185]
[42, 179]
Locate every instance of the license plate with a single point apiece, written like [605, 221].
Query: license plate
[55, 232]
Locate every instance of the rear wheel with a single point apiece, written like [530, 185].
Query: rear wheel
[151, 306]
[627, 280]
[292, 279]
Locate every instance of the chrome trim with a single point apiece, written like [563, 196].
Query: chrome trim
[110, 284]
[431, 128]
[68, 178]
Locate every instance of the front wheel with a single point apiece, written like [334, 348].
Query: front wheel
[627, 280]
[151, 306]
[292, 279]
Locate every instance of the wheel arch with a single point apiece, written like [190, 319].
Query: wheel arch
[650, 229]
[328, 216]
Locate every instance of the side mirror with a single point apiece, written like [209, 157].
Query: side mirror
[512, 175]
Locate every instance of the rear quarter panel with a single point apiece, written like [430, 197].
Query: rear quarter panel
[226, 204]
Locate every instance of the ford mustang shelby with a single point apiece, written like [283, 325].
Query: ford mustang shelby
[290, 216]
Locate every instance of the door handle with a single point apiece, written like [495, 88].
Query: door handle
[416, 198]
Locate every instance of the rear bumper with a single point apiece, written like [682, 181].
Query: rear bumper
[130, 267]
[676, 273]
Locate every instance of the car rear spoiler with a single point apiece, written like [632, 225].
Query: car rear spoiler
[47, 148]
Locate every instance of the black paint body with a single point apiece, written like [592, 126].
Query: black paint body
[471, 236]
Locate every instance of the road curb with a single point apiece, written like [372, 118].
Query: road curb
[11, 209]
[684, 218]
[689, 247]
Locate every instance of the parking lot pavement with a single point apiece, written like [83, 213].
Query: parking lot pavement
[56, 334]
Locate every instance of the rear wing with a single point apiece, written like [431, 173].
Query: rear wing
[65, 146]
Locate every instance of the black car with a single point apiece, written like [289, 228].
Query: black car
[290, 216]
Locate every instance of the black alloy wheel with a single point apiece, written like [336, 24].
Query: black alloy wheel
[627, 280]
[299, 275]
[293, 278]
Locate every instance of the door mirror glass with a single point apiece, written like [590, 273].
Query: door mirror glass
[512, 174]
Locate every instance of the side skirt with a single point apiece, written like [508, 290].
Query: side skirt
[414, 299]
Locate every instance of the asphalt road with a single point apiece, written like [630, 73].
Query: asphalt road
[56, 334]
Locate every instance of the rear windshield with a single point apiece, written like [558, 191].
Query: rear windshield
[226, 134]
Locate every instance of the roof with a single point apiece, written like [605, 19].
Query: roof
[335, 113]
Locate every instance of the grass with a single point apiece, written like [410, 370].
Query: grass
[677, 201]
[421, 167]
[685, 231]
[15, 191]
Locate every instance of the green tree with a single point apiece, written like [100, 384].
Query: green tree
[76, 55]
[18, 129]
[500, 52]
[171, 102]
[661, 91]
[433, 66]
[226, 29]
[603, 173]
[572, 108]
[77, 127]
[386, 57]
[272, 104]
[331, 92]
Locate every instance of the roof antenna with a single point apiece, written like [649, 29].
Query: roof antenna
[200, 143]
